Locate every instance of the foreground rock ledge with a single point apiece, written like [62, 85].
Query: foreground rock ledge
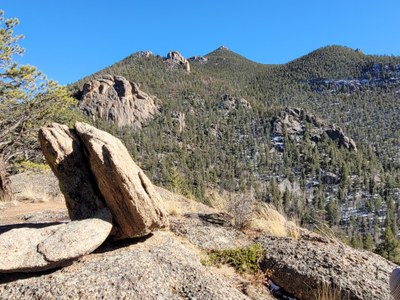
[161, 267]
[302, 266]
[37, 249]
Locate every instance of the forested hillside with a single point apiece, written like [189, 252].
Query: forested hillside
[235, 125]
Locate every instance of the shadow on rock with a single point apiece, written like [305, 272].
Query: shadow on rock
[111, 245]
[8, 227]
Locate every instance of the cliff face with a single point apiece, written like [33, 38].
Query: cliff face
[295, 121]
[113, 98]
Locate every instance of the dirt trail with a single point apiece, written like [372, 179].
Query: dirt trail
[21, 211]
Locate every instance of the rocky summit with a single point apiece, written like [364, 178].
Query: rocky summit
[174, 58]
[114, 98]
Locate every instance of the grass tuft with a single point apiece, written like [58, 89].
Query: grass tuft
[328, 292]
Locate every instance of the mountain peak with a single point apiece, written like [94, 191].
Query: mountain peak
[223, 48]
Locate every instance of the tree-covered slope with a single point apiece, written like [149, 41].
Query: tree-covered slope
[216, 130]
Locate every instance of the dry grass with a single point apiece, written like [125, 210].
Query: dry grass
[328, 292]
[218, 201]
[178, 205]
[173, 207]
[33, 194]
[268, 220]
[249, 213]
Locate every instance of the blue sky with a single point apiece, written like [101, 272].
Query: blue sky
[69, 39]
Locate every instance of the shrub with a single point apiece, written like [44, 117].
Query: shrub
[242, 207]
[243, 260]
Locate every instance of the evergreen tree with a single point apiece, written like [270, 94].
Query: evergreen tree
[27, 100]
[368, 242]
[332, 212]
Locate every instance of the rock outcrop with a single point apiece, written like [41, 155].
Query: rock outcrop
[134, 203]
[330, 178]
[199, 59]
[96, 171]
[160, 267]
[175, 58]
[337, 134]
[230, 103]
[167, 265]
[114, 98]
[294, 121]
[65, 153]
[37, 249]
[301, 267]
[143, 54]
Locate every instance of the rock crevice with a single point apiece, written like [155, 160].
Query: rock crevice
[109, 176]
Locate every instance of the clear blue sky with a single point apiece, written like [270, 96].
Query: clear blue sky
[68, 39]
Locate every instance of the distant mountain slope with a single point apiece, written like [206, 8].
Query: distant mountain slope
[215, 130]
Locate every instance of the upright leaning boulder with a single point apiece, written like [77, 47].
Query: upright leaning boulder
[65, 154]
[95, 171]
[136, 206]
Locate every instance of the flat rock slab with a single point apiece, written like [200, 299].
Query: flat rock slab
[37, 249]
[160, 267]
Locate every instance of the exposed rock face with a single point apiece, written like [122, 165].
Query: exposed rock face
[161, 267]
[143, 53]
[64, 152]
[330, 178]
[175, 58]
[113, 98]
[36, 249]
[199, 59]
[201, 230]
[300, 267]
[295, 120]
[134, 203]
[96, 171]
[336, 133]
[230, 103]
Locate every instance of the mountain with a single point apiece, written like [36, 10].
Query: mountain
[216, 129]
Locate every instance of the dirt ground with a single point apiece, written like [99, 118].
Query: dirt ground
[23, 211]
[37, 198]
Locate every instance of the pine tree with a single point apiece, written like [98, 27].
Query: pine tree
[332, 212]
[368, 242]
[388, 246]
[27, 100]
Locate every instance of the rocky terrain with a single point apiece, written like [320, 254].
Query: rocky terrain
[174, 58]
[114, 98]
[303, 266]
[137, 268]
[295, 122]
[163, 264]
